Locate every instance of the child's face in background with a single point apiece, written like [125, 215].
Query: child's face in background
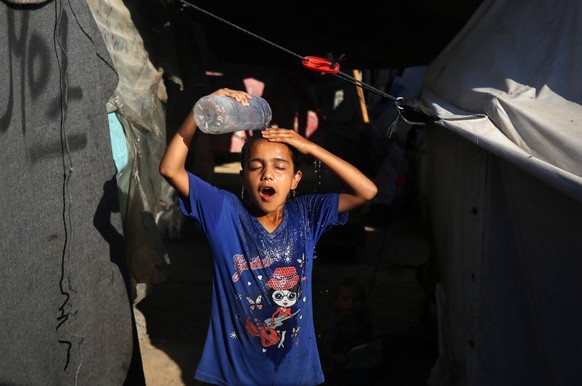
[269, 175]
[348, 301]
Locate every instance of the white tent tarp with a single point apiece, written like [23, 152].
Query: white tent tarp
[504, 195]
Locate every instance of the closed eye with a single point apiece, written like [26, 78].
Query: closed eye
[281, 166]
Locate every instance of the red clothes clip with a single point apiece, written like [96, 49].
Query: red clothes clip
[320, 64]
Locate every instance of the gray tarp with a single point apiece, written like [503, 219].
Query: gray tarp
[65, 311]
[504, 195]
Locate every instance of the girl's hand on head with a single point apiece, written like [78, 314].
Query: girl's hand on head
[288, 136]
[359, 189]
[241, 96]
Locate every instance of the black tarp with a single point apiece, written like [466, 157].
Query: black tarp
[65, 313]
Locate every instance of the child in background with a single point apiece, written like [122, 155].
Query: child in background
[351, 353]
[261, 328]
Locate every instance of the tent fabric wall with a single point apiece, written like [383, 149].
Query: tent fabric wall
[508, 250]
[504, 195]
[65, 309]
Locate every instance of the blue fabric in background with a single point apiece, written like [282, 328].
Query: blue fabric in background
[118, 142]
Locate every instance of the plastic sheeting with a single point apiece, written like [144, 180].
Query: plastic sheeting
[504, 195]
[138, 104]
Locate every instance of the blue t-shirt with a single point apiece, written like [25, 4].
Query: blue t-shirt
[261, 324]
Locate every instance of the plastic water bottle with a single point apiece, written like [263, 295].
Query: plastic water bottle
[218, 114]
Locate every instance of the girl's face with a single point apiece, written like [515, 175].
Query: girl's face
[269, 176]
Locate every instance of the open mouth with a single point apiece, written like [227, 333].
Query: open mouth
[267, 192]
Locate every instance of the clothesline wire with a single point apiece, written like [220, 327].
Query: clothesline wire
[410, 111]
[339, 74]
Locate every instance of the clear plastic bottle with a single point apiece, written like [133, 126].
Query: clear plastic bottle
[218, 114]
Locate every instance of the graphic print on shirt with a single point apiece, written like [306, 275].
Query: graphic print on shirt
[255, 303]
[283, 293]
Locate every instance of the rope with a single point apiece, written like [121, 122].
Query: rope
[410, 110]
[60, 55]
[339, 74]
[185, 3]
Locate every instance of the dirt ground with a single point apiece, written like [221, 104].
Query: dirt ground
[385, 247]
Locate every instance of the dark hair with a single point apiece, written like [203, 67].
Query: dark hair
[245, 153]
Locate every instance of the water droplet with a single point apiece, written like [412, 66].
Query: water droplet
[317, 171]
